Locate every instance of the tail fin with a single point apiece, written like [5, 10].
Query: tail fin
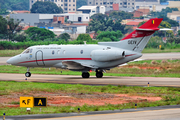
[138, 39]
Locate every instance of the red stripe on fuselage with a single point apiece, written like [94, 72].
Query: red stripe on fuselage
[58, 59]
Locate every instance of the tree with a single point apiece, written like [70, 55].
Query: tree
[64, 36]
[84, 37]
[120, 15]
[37, 34]
[109, 35]
[104, 23]
[163, 12]
[141, 23]
[14, 4]
[13, 28]
[179, 32]
[45, 7]
[170, 21]
[3, 26]
[80, 3]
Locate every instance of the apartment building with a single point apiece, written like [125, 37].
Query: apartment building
[67, 5]
[109, 3]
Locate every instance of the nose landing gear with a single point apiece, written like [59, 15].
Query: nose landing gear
[28, 74]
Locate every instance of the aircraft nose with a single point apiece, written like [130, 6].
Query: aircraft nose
[12, 60]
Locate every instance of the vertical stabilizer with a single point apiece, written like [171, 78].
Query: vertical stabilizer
[138, 39]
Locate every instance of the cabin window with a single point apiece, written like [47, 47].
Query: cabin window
[64, 52]
[53, 52]
[81, 51]
[58, 52]
[31, 50]
[26, 51]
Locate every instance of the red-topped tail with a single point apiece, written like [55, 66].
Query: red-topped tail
[146, 29]
[138, 39]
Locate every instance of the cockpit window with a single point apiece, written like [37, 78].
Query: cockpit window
[27, 51]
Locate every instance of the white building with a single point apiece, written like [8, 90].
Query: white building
[78, 17]
[91, 10]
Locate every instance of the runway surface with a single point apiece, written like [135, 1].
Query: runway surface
[71, 79]
[167, 114]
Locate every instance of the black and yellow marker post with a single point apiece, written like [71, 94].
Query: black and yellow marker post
[135, 106]
[4, 115]
[148, 84]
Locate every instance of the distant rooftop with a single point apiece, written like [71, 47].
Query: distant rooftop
[86, 7]
[146, 0]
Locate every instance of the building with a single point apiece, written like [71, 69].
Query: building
[34, 18]
[66, 5]
[109, 3]
[79, 17]
[145, 12]
[91, 10]
[174, 15]
[146, 3]
[174, 4]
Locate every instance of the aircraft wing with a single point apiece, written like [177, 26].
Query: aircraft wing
[77, 65]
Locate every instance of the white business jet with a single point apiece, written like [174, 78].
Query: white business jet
[85, 58]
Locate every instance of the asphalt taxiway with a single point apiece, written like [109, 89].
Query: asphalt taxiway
[106, 80]
[149, 113]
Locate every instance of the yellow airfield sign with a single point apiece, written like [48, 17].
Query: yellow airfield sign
[26, 102]
[33, 102]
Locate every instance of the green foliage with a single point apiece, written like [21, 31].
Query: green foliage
[13, 28]
[64, 36]
[45, 7]
[14, 4]
[120, 15]
[141, 23]
[178, 32]
[3, 25]
[104, 23]
[170, 21]
[163, 12]
[3, 12]
[80, 3]
[84, 37]
[37, 34]
[154, 42]
[110, 35]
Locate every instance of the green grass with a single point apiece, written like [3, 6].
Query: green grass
[169, 95]
[169, 68]
[9, 53]
[155, 50]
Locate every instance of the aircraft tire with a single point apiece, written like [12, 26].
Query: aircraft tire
[28, 74]
[85, 75]
[99, 74]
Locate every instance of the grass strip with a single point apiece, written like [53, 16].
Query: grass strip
[169, 95]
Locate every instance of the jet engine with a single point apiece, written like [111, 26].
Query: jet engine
[107, 55]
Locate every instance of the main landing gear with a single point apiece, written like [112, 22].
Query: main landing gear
[85, 75]
[28, 74]
[99, 74]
